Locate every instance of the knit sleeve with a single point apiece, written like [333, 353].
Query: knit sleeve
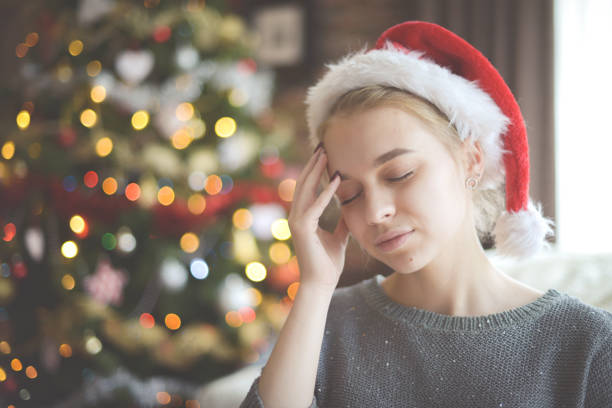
[253, 399]
[599, 390]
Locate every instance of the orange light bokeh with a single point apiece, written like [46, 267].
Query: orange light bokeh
[31, 39]
[163, 397]
[292, 290]
[31, 372]
[165, 195]
[242, 218]
[109, 186]
[16, 364]
[132, 191]
[286, 188]
[173, 321]
[65, 350]
[233, 319]
[196, 204]
[213, 184]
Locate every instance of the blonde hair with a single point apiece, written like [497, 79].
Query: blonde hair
[488, 203]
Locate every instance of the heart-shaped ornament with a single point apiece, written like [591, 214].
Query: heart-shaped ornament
[134, 66]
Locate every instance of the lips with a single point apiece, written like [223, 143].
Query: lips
[390, 235]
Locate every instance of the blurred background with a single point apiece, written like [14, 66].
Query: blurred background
[149, 152]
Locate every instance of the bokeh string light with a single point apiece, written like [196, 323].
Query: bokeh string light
[75, 48]
[94, 68]
[165, 195]
[255, 271]
[196, 204]
[225, 127]
[140, 119]
[98, 94]
[89, 118]
[70, 249]
[104, 146]
[8, 150]
[280, 229]
[23, 119]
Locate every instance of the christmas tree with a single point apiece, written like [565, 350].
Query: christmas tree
[143, 205]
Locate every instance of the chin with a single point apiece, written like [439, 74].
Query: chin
[413, 259]
[403, 262]
[408, 265]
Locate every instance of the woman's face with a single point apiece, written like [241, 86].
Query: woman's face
[397, 176]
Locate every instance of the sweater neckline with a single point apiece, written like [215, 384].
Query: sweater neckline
[376, 297]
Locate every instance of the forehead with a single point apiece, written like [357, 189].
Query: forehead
[360, 137]
[381, 123]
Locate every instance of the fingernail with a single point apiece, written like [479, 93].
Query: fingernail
[336, 174]
[318, 146]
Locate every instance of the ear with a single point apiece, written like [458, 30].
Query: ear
[473, 157]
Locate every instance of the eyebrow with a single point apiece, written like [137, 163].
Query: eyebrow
[383, 158]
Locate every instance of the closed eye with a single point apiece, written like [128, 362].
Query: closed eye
[396, 179]
[402, 177]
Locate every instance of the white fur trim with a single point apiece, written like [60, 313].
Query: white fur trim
[522, 234]
[468, 107]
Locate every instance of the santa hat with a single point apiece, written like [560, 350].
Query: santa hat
[439, 66]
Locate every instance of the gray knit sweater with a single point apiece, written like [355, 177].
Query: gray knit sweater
[553, 352]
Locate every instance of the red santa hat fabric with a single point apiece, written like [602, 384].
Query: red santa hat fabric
[438, 65]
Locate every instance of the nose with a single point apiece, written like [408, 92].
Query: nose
[379, 206]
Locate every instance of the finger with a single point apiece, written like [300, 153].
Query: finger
[309, 164]
[305, 194]
[304, 174]
[316, 209]
[313, 179]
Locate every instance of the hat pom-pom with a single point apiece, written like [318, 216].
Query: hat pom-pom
[522, 233]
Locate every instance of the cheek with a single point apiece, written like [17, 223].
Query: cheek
[355, 224]
[449, 206]
[434, 199]
[351, 219]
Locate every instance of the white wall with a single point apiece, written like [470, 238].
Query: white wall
[583, 111]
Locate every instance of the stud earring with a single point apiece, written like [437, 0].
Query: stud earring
[472, 182]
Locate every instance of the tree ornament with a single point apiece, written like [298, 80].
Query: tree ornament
[106, 284]
[234, 294]
[187, 57]
[35, 243]
[134, 66]
[263, 217]
[173, 274]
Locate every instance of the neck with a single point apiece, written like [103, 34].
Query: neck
[462, 283]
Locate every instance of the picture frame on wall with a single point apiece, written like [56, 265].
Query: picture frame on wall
[280, 29]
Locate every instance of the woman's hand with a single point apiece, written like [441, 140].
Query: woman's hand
[320, 254]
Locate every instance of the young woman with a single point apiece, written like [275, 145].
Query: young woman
[418, 138]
